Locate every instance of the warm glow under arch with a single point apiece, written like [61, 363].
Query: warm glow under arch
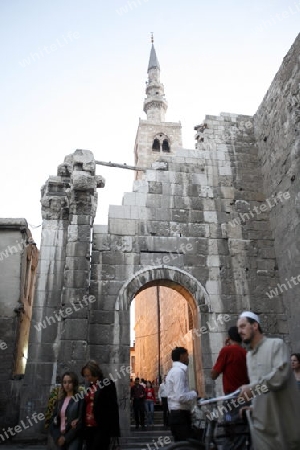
[174, 278]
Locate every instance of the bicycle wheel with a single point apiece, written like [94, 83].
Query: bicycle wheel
[186, 445]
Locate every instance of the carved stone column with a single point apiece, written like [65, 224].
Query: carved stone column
[61, 306]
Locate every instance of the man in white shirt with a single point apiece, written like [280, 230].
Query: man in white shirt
[275, 418]
[180, 398]
[163, 398]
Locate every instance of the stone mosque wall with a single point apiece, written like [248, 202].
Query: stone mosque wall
[277, 132]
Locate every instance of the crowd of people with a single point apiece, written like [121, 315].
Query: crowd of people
[266, 375]
[143, 398]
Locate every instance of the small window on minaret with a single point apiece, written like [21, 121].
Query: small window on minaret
[165, 146]
[156, 145]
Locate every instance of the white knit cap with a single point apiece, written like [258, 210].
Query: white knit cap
[250, 315]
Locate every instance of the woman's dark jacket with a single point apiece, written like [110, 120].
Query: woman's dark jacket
[106, 408]
[74, 411]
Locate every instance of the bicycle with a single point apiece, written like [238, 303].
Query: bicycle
[209, 431]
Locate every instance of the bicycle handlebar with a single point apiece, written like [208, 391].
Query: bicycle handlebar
[209, 401]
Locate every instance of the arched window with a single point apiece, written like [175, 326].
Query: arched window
[161, 143]
[165, 146]
[156, 145]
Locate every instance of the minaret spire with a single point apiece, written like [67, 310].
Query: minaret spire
[155, 105]
[155, 138]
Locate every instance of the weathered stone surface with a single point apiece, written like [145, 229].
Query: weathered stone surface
[100, 317]
[79, 233]
[76, 278]
[75, 329]
[76, 263]
[277, 132]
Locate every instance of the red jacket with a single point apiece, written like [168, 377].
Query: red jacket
[231, 363]
[150, 394]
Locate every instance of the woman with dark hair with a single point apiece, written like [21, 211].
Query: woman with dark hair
[295, 363]
[149, 403]
[67, 415]
[101, 410]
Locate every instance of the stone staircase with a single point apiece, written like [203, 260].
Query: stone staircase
[152, 438]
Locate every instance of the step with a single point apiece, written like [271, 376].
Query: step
[156, 429]
[155, 426]
[146, 440]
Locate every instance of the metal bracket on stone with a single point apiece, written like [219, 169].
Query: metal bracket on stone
[121, 166]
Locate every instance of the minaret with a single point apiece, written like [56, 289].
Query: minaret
[155, 138]
[155, 105]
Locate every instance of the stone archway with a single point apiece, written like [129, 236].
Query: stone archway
[169, 276]
[172, 277]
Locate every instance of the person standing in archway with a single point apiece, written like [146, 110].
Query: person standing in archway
[180, 398]
[149, 403]
[138, 396]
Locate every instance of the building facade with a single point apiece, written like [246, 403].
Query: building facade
[18, 266]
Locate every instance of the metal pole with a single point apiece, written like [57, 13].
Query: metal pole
[158, 330]
[121, 166]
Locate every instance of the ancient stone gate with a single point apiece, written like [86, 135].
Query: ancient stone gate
[84, 291]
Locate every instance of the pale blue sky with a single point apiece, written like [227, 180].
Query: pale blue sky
[85, 88]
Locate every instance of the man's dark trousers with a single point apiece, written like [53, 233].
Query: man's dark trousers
[164, 401]
[139, 412]
[180, 424]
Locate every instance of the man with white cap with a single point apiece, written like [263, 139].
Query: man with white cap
[275, 417]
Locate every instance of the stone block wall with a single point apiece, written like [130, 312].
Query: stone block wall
[203, 213]
[239, 252]
[18, 263]
[277, 131]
